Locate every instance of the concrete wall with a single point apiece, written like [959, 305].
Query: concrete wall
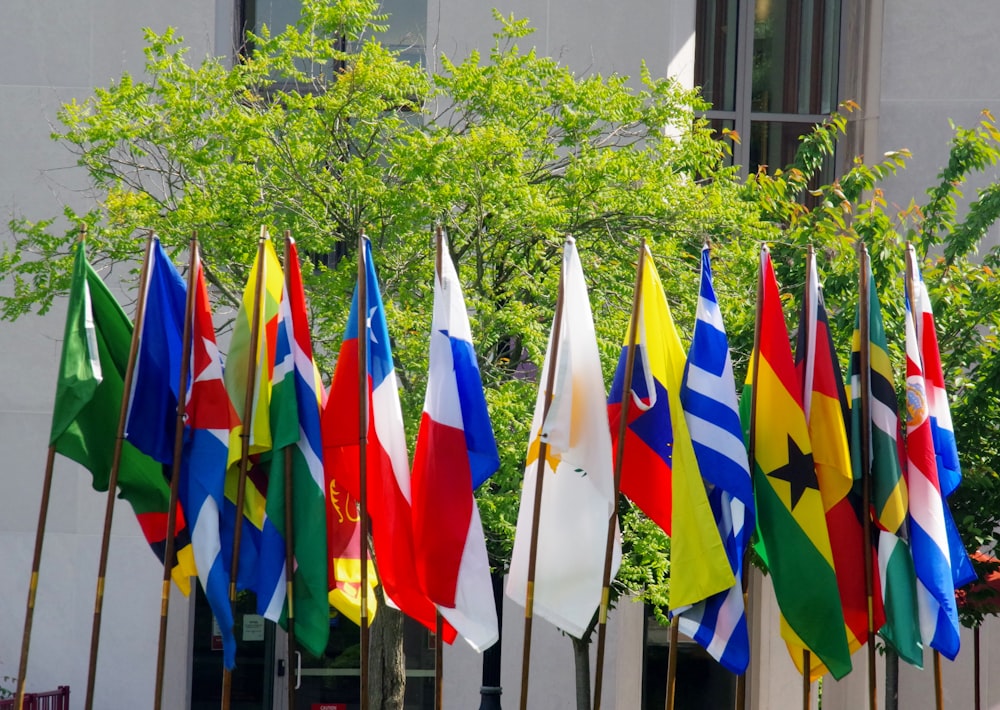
[938, 64]
[52, 52]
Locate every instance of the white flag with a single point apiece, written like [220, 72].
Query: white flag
[578, 489]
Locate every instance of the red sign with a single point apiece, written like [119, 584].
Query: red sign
[329, 706]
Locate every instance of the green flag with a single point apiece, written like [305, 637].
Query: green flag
[889, 493]
[87, 409]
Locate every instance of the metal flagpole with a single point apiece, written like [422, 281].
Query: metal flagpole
[529, 601]
[247, 419]
[289, 521]
[602, 625]
[810, 310]
[113, 477]
[866, 449]
[741, 682]
[175, 474]
[363, 415]
[36, 560]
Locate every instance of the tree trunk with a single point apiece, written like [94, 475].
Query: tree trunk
[387, 663]
[581, 655]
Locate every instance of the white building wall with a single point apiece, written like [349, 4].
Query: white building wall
[52, 52]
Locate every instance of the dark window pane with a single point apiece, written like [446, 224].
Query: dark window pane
[715, 52]
[795, 56]
[773, 145]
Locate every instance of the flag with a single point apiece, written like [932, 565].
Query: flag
[295, 406]
[343, 541]
[825, 405]
[95, 355]
[790, 514]
[262, 557]
[943, 432]
[659, 469]
[387, 465]
[578, 490]
[938, 610]
[455, 452]
[889, 493]
[708, 396]
[209, 419]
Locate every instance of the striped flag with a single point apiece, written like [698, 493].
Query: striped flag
[790, 514]
[890, 498]
[945, 449]
[455, 453]
[708, 395]
[929, 539]
[578, 490]
[209, 418]
[387, 464]
[659, 468]
[261, 563]
[825, 405]
[295, 423]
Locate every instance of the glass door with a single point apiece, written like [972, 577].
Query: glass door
[333, 682]
[253, 679]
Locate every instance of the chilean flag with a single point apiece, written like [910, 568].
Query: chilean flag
[387, 464]
[455, 453]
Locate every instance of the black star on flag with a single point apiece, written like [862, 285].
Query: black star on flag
[799, 472]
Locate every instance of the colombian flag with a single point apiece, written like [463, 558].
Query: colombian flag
[659, 470]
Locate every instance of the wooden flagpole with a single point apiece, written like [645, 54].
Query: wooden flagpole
[289, 520]
[529, 600]
[864, 327]
[247, 419]
[976, 671]
[363, 415]
[175, 474]
[741, 680]
[806, 682]
[36, 560]
[672, 662]
[113, 477]
[938, 685]
[810, 310]
[439, 623]
[602, 624]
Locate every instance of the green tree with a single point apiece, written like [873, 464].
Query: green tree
[326, 133]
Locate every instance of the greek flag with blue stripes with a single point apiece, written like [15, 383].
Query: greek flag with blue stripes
[708, 394]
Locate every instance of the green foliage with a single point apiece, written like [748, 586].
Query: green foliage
[327, 134]
[947, 233]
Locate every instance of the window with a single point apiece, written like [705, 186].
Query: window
[407, 22]
[773, 68]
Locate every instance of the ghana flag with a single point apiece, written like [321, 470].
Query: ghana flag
[791, 520]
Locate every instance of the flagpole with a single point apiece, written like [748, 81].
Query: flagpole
[289, 522]
[741, 680]
[109, 509]
[36, 560]
[363, 415]
[976, 668]
[602, 625]
[806, 682]
[168, 553]
[865, 454]
[529, 600]
[247, 419]
[672, 662]
[439, 622]
[810, 310]
[938, 686]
